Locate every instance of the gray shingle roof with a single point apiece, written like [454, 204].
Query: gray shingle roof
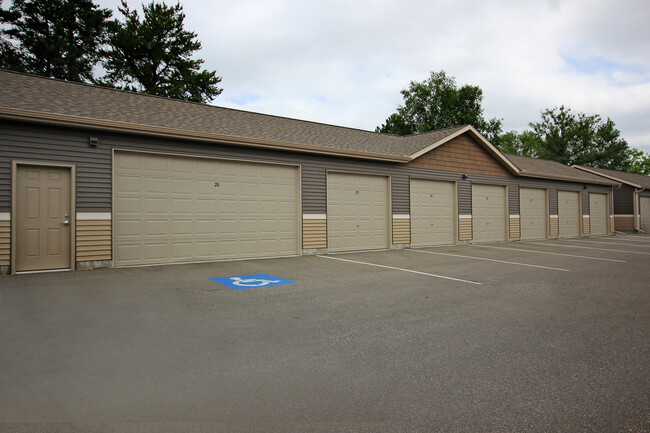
[633, 178]
[45, 95]
[543, 167]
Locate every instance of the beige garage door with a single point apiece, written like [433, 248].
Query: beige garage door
[644, 209]
[171, 209]
[598, 213]
[357, 212]
[533, 213]
[568, 203]
[432, 212]
[489, 213]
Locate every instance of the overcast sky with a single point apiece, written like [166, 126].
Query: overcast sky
[344, 62]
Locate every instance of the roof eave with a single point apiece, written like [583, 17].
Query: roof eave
[567, 178]
[607, 176]
[157, 131]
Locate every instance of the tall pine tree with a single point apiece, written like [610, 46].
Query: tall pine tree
[155, 55]
[54, 38]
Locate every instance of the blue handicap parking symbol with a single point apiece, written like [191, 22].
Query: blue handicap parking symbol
[251, 281]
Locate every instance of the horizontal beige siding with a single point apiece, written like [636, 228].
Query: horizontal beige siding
[624, 222]
[93, 240]
[586, 226]
[464, 229]
[5, 242]
[515, 227]
[554, 226]
[401, 230]
[314, 233]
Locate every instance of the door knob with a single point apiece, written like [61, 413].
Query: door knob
[66, 223]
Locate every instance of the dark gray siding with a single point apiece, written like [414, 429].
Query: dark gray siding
[464, 197]
[401, 193]
[552, 201]
[36, 143]
[513, 199]
[624, 200]
[313, 179]
[42, 143]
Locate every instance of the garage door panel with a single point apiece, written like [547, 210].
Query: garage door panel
[433, 205]
[172, 209]
[598, 213]
[357, 212]
[644, 211]
[569, 213]
[489, 213]
[533, 212]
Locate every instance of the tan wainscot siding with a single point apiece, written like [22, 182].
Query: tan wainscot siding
[515, 227]
[5, 239]
[464, 227]
[314, 231]
[554, 225]
[586, 226]
[93, 237]
[401, 229]
[463, 155]
[623, 222]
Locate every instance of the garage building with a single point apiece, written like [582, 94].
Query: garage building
[92, 177]
[631, 199]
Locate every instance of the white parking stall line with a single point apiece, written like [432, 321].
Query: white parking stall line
[584, 248]
[402, 269]
[491, 260]
[610, 243]
[552, 254]
[633, 238]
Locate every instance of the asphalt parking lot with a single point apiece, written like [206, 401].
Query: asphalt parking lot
[539, 336]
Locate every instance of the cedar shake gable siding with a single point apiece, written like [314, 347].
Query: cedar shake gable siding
[462, 154]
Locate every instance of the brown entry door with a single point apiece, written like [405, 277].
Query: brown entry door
[43, 212]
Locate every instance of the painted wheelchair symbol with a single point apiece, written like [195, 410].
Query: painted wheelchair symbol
[252, 282]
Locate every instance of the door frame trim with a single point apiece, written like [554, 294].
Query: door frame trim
[73, 216]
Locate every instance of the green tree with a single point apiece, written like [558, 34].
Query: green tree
[577, 138]
[54, 38]
[438, 103]
[518, 143]
[154, 55]
[640, 162]
[9, 58]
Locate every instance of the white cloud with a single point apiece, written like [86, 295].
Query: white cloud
[345, 62]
